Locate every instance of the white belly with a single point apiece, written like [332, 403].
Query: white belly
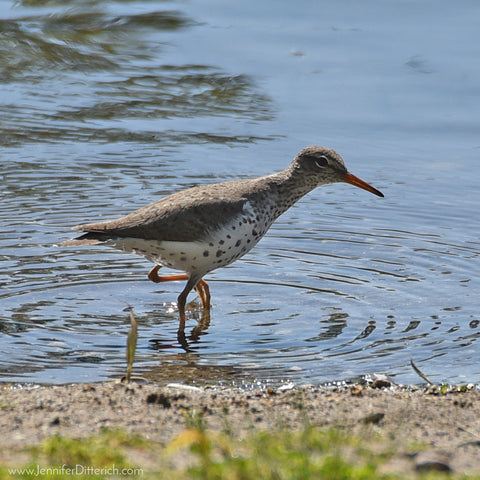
[223, 248]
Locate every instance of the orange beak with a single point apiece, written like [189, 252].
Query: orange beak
[352, 179]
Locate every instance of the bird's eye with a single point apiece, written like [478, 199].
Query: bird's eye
[321, 161]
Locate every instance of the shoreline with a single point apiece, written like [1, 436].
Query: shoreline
[445, 424]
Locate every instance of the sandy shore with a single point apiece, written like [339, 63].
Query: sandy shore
[446, 423]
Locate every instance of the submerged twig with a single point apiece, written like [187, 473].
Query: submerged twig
[420, 373]
[131, 345]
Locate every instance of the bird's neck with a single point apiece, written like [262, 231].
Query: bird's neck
[285, 188]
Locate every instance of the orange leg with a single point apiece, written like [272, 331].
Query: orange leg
[201, 287]
[203, 291]
[153, 276]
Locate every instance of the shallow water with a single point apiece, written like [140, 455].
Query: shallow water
[106, 106]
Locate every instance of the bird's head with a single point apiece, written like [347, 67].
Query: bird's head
[324, 165]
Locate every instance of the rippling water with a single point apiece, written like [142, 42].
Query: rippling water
[106, 106]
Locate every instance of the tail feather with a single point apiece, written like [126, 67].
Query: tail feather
[90, 238]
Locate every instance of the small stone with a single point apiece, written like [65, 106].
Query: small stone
[378, 380]
[374, 418]
[285, 387]
[55, 421]
[356, 390]
[160, 399]
[432, 462]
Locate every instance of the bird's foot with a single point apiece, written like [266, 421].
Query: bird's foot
[197, 331]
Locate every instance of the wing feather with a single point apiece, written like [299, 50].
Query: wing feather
[182, 217]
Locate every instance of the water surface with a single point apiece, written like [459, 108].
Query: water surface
[107, 106]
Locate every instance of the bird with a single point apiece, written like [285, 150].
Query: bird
[206, 227]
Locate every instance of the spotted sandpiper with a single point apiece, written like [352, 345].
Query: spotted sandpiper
[206, 227]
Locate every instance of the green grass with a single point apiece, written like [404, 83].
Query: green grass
[201, 453]
[308, 454]
[101, 456]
